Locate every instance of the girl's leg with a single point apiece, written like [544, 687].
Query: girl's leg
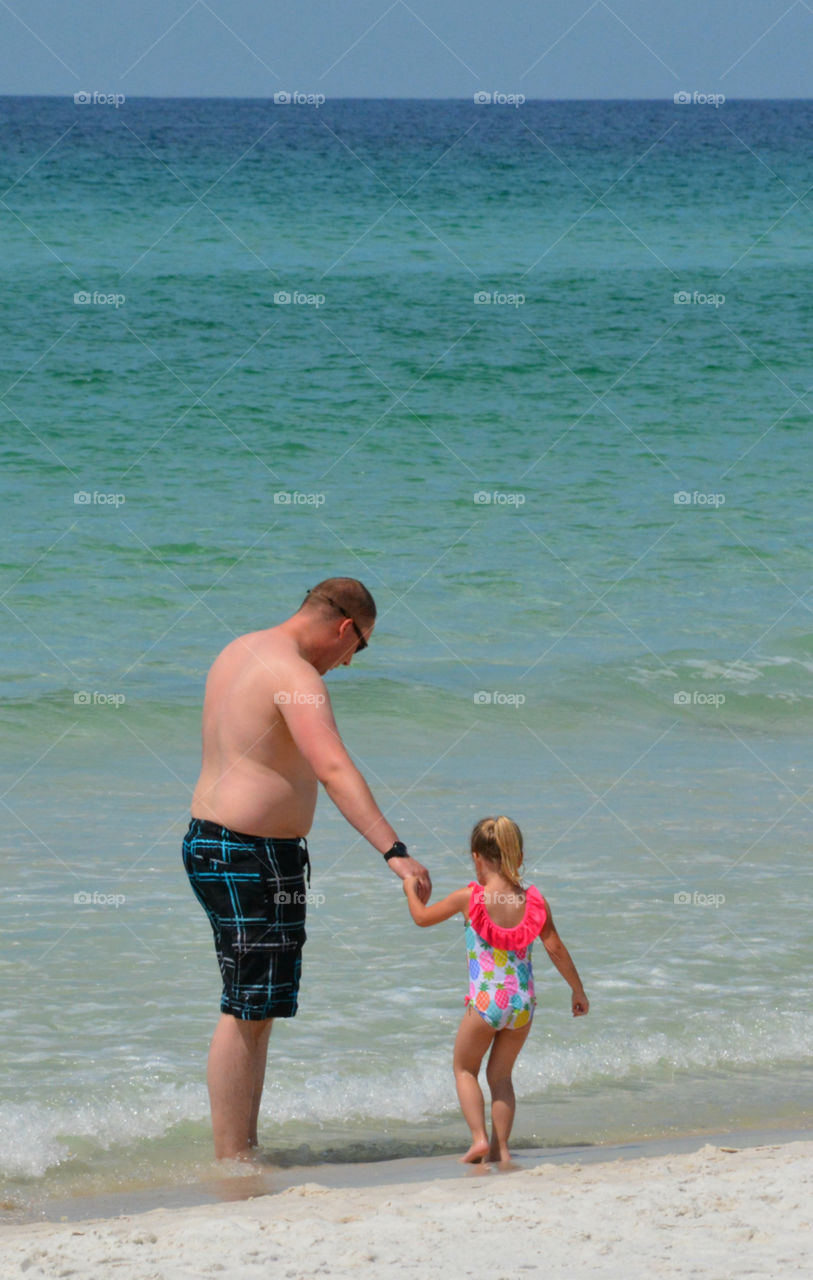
[507, 1044]
[473, 1038]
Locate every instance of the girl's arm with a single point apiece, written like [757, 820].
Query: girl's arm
[423, 914]
[560, 956]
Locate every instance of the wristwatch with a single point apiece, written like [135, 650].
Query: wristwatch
[398, 850]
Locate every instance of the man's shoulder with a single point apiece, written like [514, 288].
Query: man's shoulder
[274, 652]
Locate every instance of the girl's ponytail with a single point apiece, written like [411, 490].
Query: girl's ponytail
[499, 840]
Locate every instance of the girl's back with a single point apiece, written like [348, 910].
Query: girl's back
[505, 904]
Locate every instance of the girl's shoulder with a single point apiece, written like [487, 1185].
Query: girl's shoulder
[539, 900]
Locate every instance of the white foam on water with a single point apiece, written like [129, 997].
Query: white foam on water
[709, 1043]
[36, 1137]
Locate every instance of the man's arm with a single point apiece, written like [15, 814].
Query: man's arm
[313, 728]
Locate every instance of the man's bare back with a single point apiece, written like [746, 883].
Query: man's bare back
[269, 736]
[253, 777]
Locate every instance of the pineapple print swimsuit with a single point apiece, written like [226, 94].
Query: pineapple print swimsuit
[501, 980]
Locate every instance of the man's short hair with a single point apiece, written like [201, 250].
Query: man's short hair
[348, 593]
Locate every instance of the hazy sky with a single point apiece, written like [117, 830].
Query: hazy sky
[408, 48]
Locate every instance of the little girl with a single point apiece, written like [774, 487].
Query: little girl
[502, 922]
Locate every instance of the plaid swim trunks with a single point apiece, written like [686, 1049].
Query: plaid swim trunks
[253, 891]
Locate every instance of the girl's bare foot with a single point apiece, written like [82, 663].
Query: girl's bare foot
[476, 1152]
[501, 1158]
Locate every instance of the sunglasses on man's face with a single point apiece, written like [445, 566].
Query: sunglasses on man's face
[362, 643]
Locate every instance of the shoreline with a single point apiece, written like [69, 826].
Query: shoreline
[708, 1213]
[249, 1182]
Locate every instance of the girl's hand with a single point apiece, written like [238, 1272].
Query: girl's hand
[410, 882]
[579, 1004]
[410, 869]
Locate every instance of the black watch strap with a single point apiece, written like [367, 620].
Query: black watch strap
[398, 850]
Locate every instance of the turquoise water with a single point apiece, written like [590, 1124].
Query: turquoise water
[585, 518]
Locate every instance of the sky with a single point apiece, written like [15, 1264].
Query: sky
[408, 48]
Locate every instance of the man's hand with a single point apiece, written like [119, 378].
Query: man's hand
[405, 867]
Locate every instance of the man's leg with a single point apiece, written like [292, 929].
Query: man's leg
[235, 1076]
[259, 1080]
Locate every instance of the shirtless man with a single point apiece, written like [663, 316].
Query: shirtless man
[269, 738]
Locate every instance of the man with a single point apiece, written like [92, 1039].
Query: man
[269, 738]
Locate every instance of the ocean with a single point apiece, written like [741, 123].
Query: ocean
[536, 375]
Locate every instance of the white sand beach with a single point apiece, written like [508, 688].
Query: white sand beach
[716, 1213]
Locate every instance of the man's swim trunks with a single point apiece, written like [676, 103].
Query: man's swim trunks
[253, 891]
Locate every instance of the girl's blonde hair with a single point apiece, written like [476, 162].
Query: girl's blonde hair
[499, 840]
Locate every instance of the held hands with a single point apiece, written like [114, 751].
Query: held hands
[410, 870]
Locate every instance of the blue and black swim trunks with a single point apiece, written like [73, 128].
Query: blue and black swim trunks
[253, 891]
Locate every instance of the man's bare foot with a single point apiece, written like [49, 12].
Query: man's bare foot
[476, 1152]
[249, 1155]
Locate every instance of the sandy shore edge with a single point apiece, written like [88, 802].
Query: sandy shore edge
[717, 1211]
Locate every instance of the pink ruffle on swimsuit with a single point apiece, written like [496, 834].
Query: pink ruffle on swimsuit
[501, 980]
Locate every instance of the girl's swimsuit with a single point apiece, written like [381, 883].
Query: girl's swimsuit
[501, 980]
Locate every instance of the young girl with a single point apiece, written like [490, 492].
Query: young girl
[502, 922]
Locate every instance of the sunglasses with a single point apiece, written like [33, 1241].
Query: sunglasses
[362, 643]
